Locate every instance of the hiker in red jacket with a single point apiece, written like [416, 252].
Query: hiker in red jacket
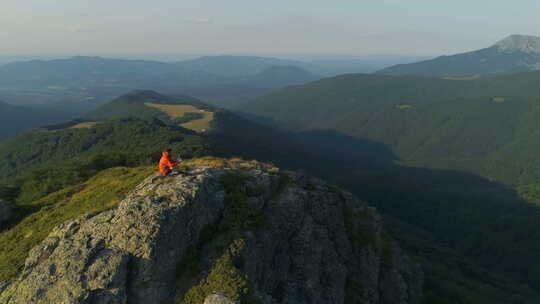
[166, 164]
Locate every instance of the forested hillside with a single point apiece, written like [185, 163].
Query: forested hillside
[438, 122]
[14, 119]
[333, 99]
[127, 125]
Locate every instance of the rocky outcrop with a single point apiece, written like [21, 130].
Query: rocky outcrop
[218, 299]
[222, 235]
[519, 43]
[5, 212]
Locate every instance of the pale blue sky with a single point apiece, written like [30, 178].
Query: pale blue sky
[356, 27]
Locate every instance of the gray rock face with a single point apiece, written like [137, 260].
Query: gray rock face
[218, 299]
[319, 245]
[5, 212]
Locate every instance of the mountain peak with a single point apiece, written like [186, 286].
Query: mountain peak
[128, 253]
[144, 95]
[513, 54]
[519, 43]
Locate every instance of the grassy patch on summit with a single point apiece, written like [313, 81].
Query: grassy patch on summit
[234, 163]
[404, 107]
[178, 111]
[102, 192]
[463, 78]
[84, 125]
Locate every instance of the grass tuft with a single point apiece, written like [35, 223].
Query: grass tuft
[225, 277]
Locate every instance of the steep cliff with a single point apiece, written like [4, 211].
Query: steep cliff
[235, 231]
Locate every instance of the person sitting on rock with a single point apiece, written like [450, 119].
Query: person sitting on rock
[166, 163]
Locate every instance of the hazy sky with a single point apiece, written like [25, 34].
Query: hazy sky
[261, 27]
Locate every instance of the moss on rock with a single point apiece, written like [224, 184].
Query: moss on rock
[224, 277]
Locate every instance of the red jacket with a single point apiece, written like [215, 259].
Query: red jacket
[166, 164]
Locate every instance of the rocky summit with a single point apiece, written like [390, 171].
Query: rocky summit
[519, 43]
[513, 54]
[238, 232]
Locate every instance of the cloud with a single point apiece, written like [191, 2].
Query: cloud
[200, 20]
[368, 34]
[80, 29]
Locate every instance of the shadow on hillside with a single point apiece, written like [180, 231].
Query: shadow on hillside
[335, 155]
[485, 221]
[313, 151]
[337, 148]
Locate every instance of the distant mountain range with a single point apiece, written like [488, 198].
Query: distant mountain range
[516, 53]
[235, 66]
[86, 82]
[82, 83]
[239, 66]
[61, 89]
